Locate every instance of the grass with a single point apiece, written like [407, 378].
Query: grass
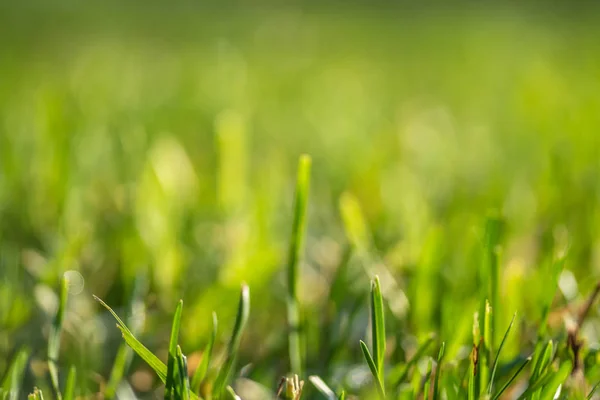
[449, 179]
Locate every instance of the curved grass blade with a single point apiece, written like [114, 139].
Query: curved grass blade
[200, 372]
[295, 252]
[438, 371]
[495, 365]
[171, 363]
[342, 396]
[231, 394]
[558, 379]
[378, 327]
[136, 318]
[54, 338]
[322, 387]
[511, 380]
[373, 368]
[399, 374]
[591, 393]
[12, 382]
[70, 386]
[234, 344]
[184, 382]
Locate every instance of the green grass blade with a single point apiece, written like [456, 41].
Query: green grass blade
[70, 386]
[136, 319]
[295, 253]
[322, 387]
[13, 380]
[54, 338]
[558, 379]
[427, 388]
[184, 382]
[172, 360]
[512, 379]
[543, 361]
[591, 393]
[493, 233]
[497, 358]
[373, 368]
[231, 394]
[399, 374]
[378, 327]
[342, 396]
[36, 395]
[158, 366]
[471, 384]
[485, 350]
[240, 323]
[202, 369]
[438, 371]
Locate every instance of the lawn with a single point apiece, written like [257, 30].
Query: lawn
[425, 180]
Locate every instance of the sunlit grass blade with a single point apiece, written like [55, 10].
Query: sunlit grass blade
[158, 366]
[54, 338]
[493, 233]
[497, 358]
[295, 253]
[135, 320]
[512, 379]
[485, 349]
[558, 379]
[322, 387]
[428, 376]
[438, 371]
[378, 327]
[11, 384]
[232, 349]
[200, 372]
[184, 382]
[542, 362]
[342, 396]
[399, 374]
[71, 384]
[172, 360]
[373, 368]
[471, 382]
[231, 394]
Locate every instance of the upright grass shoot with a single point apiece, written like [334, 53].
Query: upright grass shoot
[172, 358]
[55, 336]
[202, 369]
[295, 253]
[240, 323]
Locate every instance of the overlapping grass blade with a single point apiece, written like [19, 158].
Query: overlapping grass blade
[135, 320]
[550, 390]
[71, 384]
[373, 368]
[184, 383]
[232, 349]
[55, 335]
[202, 369]
[438, 371]
[11, 384]
[295, 253]
[172, 360]
[511, 380]
[378, 327]
[497, 358]
[322, 387]
[231, 394]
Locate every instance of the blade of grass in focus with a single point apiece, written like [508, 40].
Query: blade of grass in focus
[54, 338]
[495, 365]
[172, 360]
[71, 383]
[512, 379]
[200, 372]
[184, 383]
[295, 253]
[373, 368]
[378, 327]
[240, 323]
[135, 320]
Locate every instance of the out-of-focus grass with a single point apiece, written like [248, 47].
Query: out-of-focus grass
[170, 146]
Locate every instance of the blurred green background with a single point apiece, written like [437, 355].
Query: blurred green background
[164, 139]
